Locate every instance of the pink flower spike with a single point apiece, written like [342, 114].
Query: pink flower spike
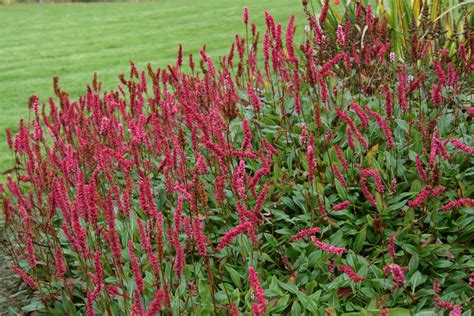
[368, 15]
[341, 206]
[137, 308]
[59, 263]
[201, 239]
[26, 278]
[457, 203]
[231, 234]
[456, 311]
[364, 119]
[260, 306]
[382, 123]
[290, 33]
[233, 310]
[458, 144]
[397, 273]
[156, 304]
[305, 232]
[324, 12]
[391, 246]
[327, 247]
[420, 168]
[311, 159]
[341, 158]
[424, 194]
[339, 176]
[254, 100]
[438, 191]
[136, 268]
[90, 304]
[341, 38]
[351, 273]
[246, 15]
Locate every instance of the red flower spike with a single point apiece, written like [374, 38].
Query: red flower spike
[231, 234]
[246, 15]
[136, 268]
[137, 308]
[341, 206]
[457, 203]
[306, 232]
[201, 239]
[327, 247]
[260, 306]
[391, 246]
[351, 273]
[156, 304]
[26, 278]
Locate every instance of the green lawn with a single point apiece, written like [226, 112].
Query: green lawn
[73, 41]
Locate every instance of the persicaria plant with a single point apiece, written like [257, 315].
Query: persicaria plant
[325, 174]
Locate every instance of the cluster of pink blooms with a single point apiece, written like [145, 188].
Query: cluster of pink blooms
[231, 234]
[397, 273]
[352, 128]
[391, 246]
[341, 37]
[341, 158]
[305, 232]
[339, 176]
[26, 278]
[351, 273]
[402, 86]
[260, 306]
[136, 268]
[311, 159]
[341, 206]
[455, 310]
[420, 168]
[382, 123]
[422, 197]
[327, 247]
[458, 144]
[375, 174]
[458, 203]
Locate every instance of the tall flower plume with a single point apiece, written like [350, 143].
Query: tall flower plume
[231, 234]
[327, 247]
[26, 278]
[351, 273]
[246, 15]
[260, 305]
[305, 232]
[137, 273]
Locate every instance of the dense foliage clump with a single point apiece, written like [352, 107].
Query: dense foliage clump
[326, 176]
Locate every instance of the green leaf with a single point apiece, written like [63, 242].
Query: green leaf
[403, 125]
[289, 287]
[442, 264]
[295, 309]
[234, 275]
[360, 240]
[426, 313]
[399, 312]
[414, 261]
[35, 305]
[281, 304]
[308, 303]
[416, 279]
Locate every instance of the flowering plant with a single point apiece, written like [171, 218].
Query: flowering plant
[315, 178]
